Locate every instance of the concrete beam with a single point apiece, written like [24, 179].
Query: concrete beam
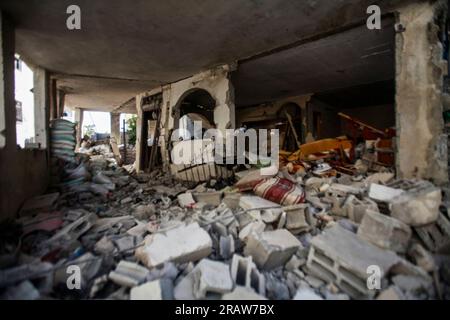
[421, 143]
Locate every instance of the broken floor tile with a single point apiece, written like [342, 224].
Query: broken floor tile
[182, 244]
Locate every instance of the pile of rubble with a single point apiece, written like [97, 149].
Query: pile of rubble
[290, 236]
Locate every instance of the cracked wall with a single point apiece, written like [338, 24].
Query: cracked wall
[420, 69]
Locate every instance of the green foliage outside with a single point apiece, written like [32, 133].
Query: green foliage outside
[131, 130]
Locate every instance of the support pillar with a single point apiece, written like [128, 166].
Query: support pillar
[115, 134]
[79, 120]
[420, 69]
[41, 106]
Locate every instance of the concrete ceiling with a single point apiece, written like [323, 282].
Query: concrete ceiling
[127, 46]
[347, 59]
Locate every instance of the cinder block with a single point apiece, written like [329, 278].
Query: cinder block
[211, 277]
[341, 257]
[296, 218]
[242, 294]
[182, 244]
[436, 236]
[245, 273]
[385, 232]
[271, 249]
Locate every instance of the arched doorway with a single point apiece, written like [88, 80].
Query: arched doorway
[194, 105]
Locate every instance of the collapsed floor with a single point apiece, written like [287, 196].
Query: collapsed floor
[307, 233]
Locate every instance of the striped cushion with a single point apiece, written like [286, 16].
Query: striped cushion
[281, 191]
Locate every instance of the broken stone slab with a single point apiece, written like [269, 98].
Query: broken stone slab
[382, 193]
[271, 249]
[185, 200]
[296, 218]
[127, 243]
[341, 257]
[182, 244]
[417, 208]
[253, 227]
[344, 190]
[385, 232]
[154, 290]
[245, 273]
[105, 224]
[232, 200]
[243, 294]
[210, 198]
[129, 274]
[422, 257]
[212, 277]
[255, 206]
[415, 287]
[139, 230]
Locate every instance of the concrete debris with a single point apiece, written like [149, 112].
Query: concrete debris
[271, 249]
[182, 244]
[128, 274]
[154, 290]
[308, 232]
[385, 232]
[243, 294]
[245, 273]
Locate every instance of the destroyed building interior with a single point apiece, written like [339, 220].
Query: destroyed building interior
[361, 179]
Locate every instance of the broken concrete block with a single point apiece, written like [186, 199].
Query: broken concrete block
[185, 200]
[382, 193]
[341, 257]
[254, 205]
[242, 294]
[126, 243]
[306, 293]
[211, 198]
[232, 200]
[391, 293]
[253, 227]
[355, 209]
[212, 277]
[245, 273]
[181, 244]
[129, 274]
[418, 208]
[422, 257]
[385, 232]
[227, 247]
[415, 287]
[296, 218]
[154, 290]
[271, 249]
[436, 236]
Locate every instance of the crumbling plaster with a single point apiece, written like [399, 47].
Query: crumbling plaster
[422, 146]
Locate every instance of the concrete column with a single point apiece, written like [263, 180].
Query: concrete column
[115, 133]
[61, 103]
[138, 163]
[7, 99]
[53, 100]
[79, 120]
[421, 144]
[41, 105]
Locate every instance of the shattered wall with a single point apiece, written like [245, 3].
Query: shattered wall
[215, 81]
[422, 146]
